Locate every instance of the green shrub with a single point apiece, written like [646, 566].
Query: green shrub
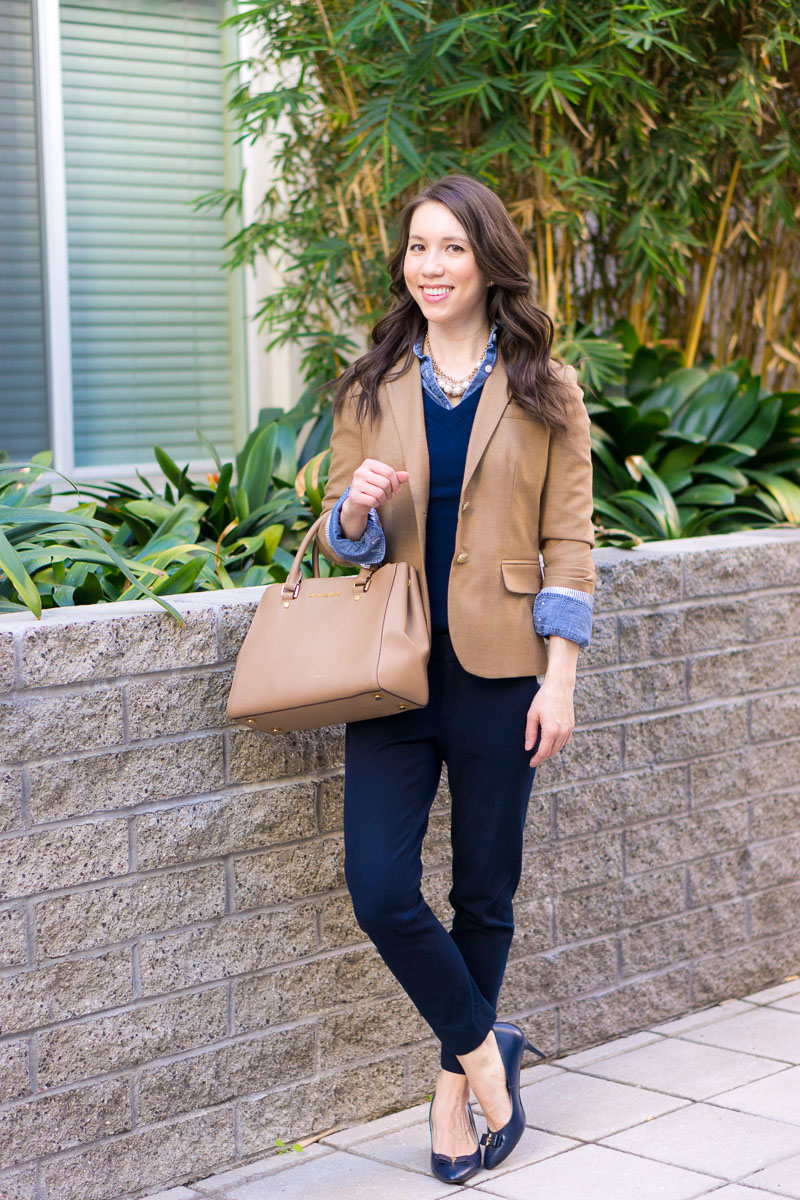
[239, 527]
[682, 451]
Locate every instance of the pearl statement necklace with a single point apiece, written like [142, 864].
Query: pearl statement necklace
[453, 387]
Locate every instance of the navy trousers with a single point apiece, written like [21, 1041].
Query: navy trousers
[392, 770]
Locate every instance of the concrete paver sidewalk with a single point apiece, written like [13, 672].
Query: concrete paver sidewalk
[707, 1104]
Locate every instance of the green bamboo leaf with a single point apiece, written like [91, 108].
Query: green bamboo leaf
[410, 154]
[396, 30]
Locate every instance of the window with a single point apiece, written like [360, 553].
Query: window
[24, 418]
[149, 331]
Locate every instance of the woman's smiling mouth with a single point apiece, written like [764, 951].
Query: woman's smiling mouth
[435, 294]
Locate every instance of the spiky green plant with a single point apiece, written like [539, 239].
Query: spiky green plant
[238, 527]
[680, 451]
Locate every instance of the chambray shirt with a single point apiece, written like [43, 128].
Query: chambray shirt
[557, 611]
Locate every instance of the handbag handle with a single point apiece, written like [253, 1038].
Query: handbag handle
[291, 586]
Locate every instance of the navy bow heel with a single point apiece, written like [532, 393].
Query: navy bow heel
[512, 1043]
[458, 1168]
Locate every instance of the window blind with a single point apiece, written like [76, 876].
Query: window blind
[152, 353]
[24, 425]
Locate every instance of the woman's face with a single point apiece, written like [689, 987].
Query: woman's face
[440, 269]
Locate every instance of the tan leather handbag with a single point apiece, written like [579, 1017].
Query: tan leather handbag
[323, 651]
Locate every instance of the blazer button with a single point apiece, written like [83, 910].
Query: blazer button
[465, 505]
[463, 557]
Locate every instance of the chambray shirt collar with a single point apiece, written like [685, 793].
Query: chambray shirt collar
[429, 379]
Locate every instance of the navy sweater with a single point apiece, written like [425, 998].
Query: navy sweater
[448, 432]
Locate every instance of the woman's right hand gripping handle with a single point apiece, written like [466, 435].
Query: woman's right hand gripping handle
[373, 483]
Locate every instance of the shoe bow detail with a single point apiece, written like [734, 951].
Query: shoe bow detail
[449, 1168]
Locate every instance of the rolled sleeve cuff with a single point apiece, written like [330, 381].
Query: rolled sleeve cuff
[564, 612]
[369, 550]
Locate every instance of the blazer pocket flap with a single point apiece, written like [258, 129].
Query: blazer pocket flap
[522, 575]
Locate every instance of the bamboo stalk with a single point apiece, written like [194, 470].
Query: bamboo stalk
[351, 102]
[540, 270]
[346, 229]
[566, 277]
[361, 216]
[769, 315]
[742, 291]
[700, 309]
[550, 297]
[726, 308]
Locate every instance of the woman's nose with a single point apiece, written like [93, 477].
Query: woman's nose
[432, 264]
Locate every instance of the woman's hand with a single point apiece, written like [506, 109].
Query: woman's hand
[551, 713]
[373, 483]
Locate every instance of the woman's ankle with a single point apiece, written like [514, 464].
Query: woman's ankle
[452, 1086]
[482, 1056]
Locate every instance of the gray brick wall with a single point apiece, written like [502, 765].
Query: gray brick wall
[181, 977]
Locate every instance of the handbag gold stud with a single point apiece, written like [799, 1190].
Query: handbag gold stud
[379, 695]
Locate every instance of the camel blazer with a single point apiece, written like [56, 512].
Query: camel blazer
[525, 491]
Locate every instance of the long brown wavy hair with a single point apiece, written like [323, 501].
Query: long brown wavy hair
[524, 331]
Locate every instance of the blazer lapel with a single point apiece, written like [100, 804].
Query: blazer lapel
[405, 399]
[493, 401]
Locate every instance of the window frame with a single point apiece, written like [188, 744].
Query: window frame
[55, 263]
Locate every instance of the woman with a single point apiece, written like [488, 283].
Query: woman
[474, 445]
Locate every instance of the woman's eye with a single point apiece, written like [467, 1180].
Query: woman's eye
[416, 246]
[454, 246]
